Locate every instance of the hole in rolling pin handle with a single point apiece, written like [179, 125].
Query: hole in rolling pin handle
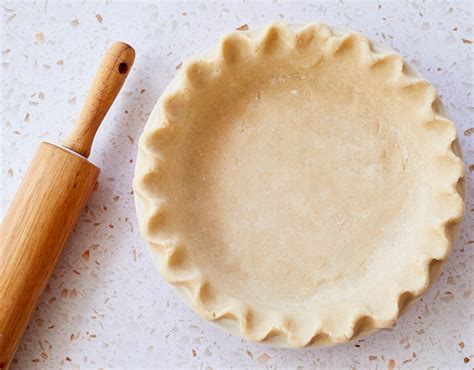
[123, 68]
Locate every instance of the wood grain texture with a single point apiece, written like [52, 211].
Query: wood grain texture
[107, 83]
[34, 231]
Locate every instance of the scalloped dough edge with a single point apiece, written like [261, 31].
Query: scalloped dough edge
[272, 42]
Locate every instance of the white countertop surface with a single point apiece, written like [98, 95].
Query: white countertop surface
[106, 305]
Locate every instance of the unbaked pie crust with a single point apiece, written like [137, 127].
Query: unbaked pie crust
[299, 185]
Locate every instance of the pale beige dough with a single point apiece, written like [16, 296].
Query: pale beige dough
[295, 178]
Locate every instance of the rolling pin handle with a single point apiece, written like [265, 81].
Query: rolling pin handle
[107, 83]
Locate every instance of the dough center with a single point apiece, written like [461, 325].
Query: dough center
[291, 191]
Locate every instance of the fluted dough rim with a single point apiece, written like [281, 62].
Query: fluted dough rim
[235, 316]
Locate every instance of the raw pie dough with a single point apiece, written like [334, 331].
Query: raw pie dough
[299, 186]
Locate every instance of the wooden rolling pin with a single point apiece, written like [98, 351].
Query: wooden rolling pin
[48, 203]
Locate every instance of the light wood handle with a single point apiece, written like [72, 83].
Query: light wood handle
[107, 83]
[34, 231]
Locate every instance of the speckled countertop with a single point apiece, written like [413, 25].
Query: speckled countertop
[106, 305]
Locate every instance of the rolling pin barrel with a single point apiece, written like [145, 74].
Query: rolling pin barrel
[35, 229]
[48, 203]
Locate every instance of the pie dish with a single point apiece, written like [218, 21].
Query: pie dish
[299, 185]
